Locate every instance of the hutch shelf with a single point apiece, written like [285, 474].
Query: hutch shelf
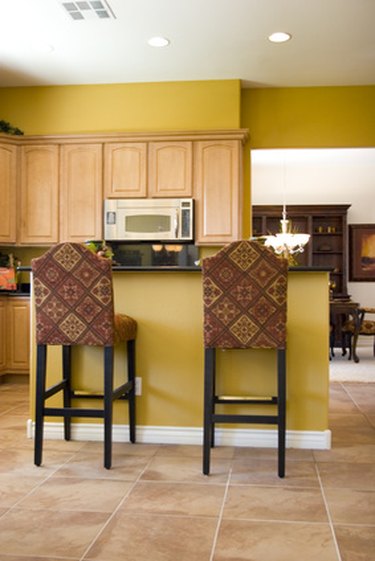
[327, 226]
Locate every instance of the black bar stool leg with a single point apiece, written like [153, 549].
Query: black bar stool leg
[131, 394]
[108, 405]
[209, 374]
[39, 402]
[281, 400]
[213, 398]
[67, 390]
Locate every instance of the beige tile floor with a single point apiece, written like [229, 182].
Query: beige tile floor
[155, 504]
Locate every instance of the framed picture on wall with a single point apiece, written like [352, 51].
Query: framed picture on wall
[362, 252]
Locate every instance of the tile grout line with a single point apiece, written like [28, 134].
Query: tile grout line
[37, 486]
[114, 512]
[348, 393]
[328, 513]
[220, 517]
[342, 384]
[227, 484]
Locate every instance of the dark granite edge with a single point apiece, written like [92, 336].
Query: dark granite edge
[177, 269]
[170, 268]
[14, 293]
[118, 268]
[23, 289]
[313, 268]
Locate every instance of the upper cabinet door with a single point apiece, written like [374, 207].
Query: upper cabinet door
[81, 192]
[8, 186]
[170, 169]
[218, 191]
[125, 173]
[39, 189]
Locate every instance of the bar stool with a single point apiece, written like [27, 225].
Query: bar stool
[74, 306]
[244, 307]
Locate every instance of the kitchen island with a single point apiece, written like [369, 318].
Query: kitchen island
[167, 304]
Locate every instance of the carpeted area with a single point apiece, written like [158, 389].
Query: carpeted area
[343, 370]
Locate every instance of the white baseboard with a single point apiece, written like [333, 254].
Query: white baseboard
[314, 440]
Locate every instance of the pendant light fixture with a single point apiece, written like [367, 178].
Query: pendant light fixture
[287, 243]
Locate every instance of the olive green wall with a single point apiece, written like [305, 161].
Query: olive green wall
[275, 117]
[309, 117]
[123, 107]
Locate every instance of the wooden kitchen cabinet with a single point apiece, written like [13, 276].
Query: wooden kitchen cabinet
[218, 191]
[18, 340]
[148, 169]
[39, 190]
[81, 192]
[3, 347]
[14, 335]
[8, 189]
[170, 169]
[60, 186]
[125, 170]
[62, 181]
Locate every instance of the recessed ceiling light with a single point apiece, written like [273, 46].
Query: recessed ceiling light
[279, 37]
[158, 42]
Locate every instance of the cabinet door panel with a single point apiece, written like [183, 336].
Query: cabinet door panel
[170, 169]
[81, 192]
[125, 170]
[218, 191]
[3, 332]
[39, 194]
[18, 340]
[8, 178]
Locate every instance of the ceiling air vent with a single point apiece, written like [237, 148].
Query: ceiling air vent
[88, 9]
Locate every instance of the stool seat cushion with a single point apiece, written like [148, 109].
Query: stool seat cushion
[125, 328]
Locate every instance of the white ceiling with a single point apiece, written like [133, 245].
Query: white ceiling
[333, 43]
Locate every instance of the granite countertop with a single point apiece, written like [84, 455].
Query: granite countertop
[23, 290]
[165, 268]
[126, 268]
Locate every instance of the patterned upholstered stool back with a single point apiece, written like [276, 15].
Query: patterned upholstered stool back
[73, 297]
[244, 297]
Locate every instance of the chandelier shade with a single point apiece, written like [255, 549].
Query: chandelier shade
[287, 243]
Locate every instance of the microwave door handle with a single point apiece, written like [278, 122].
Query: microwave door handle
[176, 225]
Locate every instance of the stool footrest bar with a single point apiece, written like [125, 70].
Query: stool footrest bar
[72, 412]
[261, 419]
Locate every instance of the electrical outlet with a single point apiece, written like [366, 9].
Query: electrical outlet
[138, 385]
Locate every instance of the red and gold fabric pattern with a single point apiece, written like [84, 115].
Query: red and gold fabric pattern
[74, 299]
[245, 296]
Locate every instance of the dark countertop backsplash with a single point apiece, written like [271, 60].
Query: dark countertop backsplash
[146, 256]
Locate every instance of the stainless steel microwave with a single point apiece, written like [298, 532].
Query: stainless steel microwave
[148, 219]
